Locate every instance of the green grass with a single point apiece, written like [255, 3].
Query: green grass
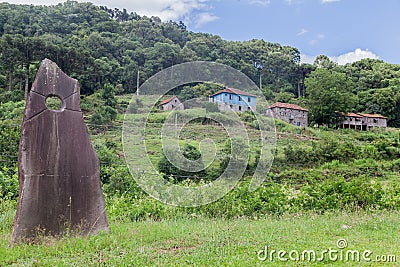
[200, 241]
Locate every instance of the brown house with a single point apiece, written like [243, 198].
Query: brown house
[171, 104]
[290, 113]
[352, 121]
[362, 121]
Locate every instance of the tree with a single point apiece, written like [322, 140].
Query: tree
[10, 55]
[323, 61]
[379, 101]
[303, 72]
[108, 95]
[328, 93]
[190, 152]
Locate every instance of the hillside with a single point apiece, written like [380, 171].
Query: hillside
[313, 170]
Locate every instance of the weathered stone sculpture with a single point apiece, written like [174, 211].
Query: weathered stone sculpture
[59, 174]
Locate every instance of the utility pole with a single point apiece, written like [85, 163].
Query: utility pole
[137, 83]
[259, 66]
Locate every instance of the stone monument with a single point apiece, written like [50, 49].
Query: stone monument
[59, 171]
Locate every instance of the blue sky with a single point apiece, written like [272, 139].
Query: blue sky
[345, 30]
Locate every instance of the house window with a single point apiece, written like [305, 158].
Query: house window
[240, 108]
[248, 108]
[249, 99]
[240, 98]
[175, 101]
[230, 97]
[298, 123]
[231, 106]
[375, 120]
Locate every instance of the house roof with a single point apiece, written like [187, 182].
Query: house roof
[166, 101]
[288, 106]
[233, 91]
[376, 116]
[350, 114]
[362, 115]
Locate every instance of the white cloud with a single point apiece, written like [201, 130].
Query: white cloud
[307, 59]
[354, 56]
[344, 59]
[260, 2]
[204, 18]
[32, 2]
[302, 31]
[164, 9]
[329, 1]
[292, 2]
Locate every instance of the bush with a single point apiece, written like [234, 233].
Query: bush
[211, 107]
[104, 115]
[191, 153]
[121, 182]
[11, 96]
[12, 110]
[108, 95]
[358, 193]
[9, 143]
[9, 183]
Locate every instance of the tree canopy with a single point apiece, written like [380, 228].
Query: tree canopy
[328, 94]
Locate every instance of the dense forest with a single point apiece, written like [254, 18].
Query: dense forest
[100, 46]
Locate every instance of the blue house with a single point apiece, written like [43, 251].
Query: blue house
[234, 100]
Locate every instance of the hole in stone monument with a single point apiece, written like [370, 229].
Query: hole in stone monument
[53, 102]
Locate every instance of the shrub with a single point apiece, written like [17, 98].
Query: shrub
[168, 168]
[12, 110]
[9, 183]
[360, 192]
[9, 142]
[11, 96]
[104, 115]
[211, 107]
[108, 95]
[120, 183]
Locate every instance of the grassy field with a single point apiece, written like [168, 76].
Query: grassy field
[219, 242]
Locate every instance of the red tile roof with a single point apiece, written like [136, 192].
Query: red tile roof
[350, 114]
[233, 91]
[288, 106]
[166, 101]
[376, 116]
[362, 115]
